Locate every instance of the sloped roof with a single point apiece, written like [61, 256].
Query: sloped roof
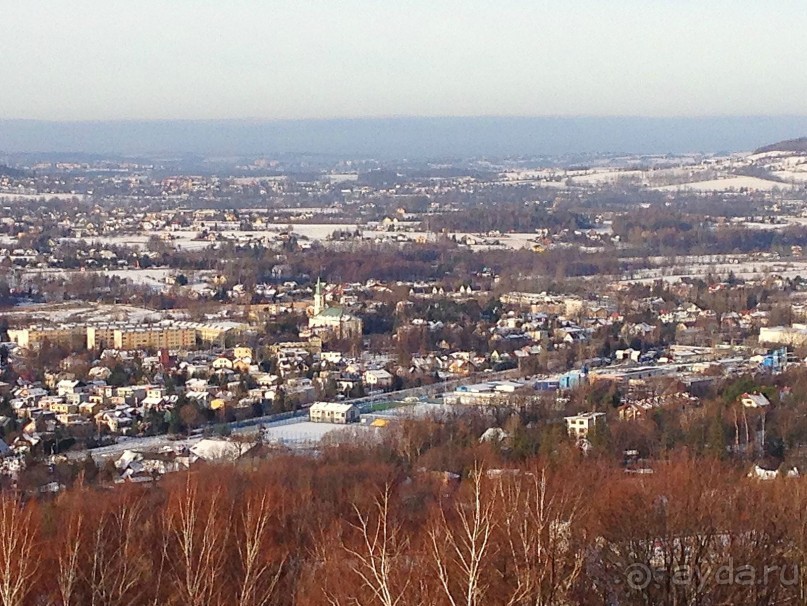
[754, 400]
[380, 373]
[331, 407]
[332, 312]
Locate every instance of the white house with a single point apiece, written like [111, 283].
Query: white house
[333, 412]
[580, 425]
[66, 387]
[377, 379]
[222, 363]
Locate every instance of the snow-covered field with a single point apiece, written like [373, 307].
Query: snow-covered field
[508, 240]
[788, 166]
[728, 184]
[315, 232]
[63, 313]
[155, 278]
[184, 241]
[708, 175]
[305, 432]
[320, 232]
[746, 270]
[295, 434]
[791, 175]
[607, 176]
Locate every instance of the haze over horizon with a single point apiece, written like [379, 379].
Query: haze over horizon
[413, 138]
[330, 77]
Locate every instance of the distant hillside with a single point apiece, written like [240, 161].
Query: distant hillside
[411, 138]
[791, 145]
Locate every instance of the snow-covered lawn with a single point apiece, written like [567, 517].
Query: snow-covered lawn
[155, 278]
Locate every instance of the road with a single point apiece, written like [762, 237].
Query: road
[248, 426]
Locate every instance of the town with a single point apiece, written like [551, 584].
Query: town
[564, 354]
[421, 303]
[152, 314]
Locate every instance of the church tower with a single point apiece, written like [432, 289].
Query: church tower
[319, 299]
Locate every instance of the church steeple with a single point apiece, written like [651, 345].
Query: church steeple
[319, 298]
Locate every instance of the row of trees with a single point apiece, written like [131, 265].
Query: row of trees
[661, 231]
[507, 217]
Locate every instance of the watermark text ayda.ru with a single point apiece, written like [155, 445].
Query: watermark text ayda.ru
[641, 576]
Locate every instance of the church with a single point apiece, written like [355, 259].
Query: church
[332, 320]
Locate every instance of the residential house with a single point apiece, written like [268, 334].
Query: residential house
[377, 379]
[579, 426]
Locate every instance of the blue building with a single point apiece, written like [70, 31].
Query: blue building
[776, 360]
[572, 379]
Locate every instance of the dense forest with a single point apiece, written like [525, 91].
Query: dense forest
[8, 171]
[791, 145]
[660, 231]
[360, 524]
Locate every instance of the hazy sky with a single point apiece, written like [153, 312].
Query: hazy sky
[143, 59]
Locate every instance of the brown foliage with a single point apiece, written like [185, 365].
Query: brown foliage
[340, 528]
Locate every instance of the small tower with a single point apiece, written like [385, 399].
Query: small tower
[319, 299]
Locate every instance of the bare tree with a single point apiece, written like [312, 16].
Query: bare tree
[460, 544]
[197, 531]
[18, 565]
[536, 525]
[378, 556]
[259, 575]
[118, 568]
[69, 563]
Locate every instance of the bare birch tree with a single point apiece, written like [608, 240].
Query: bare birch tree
[540, 558]
[460, 546]
[197, 531]
[69, 563]
[259, 574]
[118, 570]
[18, 563]
[379, 553]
